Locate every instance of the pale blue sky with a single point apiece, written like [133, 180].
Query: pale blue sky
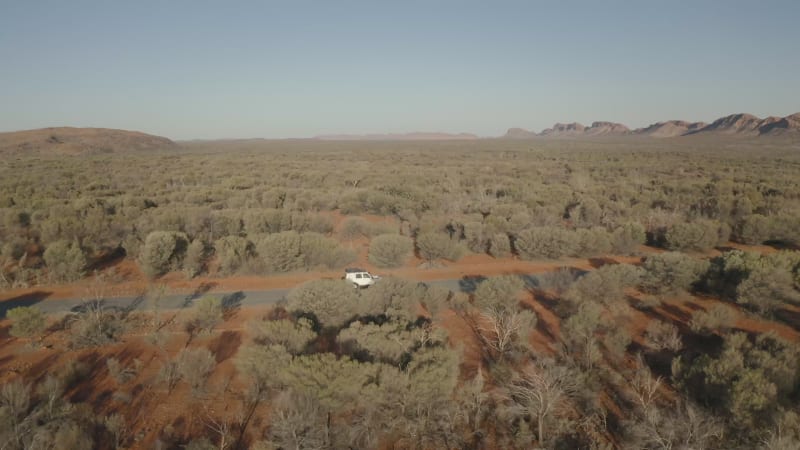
[200, 69]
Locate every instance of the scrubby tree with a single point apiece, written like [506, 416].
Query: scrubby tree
[592, 242]
[161, 252]
[545, 242]
[626, 239]
[27, 322]
[606, 284]
[331, 302]
[65, 261]
[699, 235]
[232, 253]
[499, 245]
[542, 392]
[434, 245]
[195, 258]
[766, 289]
[194, 365]
[753, 229]
[671, 272]
[390, 250]
[208, 312]
[503, 323]
[717, 319]
[292, 335]
[663, 336]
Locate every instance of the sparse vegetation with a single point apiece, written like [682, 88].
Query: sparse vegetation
[558, 360]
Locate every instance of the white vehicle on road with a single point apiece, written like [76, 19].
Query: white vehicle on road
[360, 277]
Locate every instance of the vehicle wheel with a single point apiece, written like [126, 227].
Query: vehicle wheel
[355, 285]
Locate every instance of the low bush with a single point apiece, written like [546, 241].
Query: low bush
[390, 250]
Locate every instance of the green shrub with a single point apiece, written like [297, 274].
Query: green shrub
[699, 235]
[434, 245]
[545, 242]
[332, 302]
[162, 251]
[27, 322]
[232, 253]
[671, 272]
[65, 261]
[390, 250]
[499, 245]
[626, 239]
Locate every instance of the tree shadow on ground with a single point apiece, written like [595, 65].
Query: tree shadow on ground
[790, 318]
[225, 345]
[28, 299]
[469, 283]
[201, 290]
[231, 304]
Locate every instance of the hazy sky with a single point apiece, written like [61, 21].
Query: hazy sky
[197, 69]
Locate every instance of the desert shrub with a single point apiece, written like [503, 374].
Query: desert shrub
[232, 253]
[592, 242]
[499, 245]
[390, 250]
[753, 229]
[767, 288]
[718, 318]
[663, 336]
[500, 291]
[195, 258]
[388, 342]
[586, 214]
[118, 372]
[503, 324]
[298, 422]
[558, 281]
[699, 235]
[433, 245]
[748, 381]
[94, 326]
[65, 261]
[671, 272]
[194, 365]
[290, 250]
[208, 312]
[116, 425]
[578, 334]
[320, 251]
[313, 223]
[162, 251]
[354, 227]
[331, 302]
[626, 239]
[27, 322]
[281, 252]
[293, 335]
[476, 237]
[605, 284]
[545, 242]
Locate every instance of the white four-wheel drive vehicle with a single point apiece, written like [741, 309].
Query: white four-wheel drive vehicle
[360, 277]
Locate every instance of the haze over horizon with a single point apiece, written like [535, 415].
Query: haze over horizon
[266, 69]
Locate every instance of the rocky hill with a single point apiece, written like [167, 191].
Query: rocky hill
[744, 125]
[79, 141]
[670, 128]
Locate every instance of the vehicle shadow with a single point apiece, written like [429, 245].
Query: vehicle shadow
[29, 299]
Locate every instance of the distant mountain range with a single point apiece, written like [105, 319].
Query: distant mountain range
[733, 125]
[80, 141]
